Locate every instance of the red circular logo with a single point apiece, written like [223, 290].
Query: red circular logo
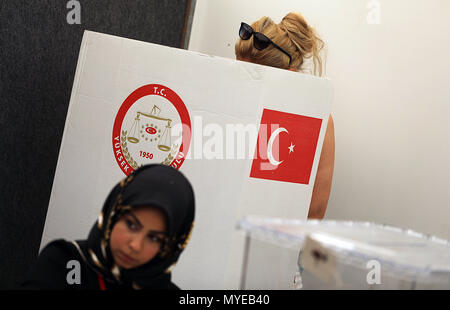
[151, 126]
[150, 130]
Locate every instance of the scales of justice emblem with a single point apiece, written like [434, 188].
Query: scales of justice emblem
[143, 126]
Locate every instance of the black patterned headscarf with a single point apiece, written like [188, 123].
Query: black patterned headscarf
[153, 185]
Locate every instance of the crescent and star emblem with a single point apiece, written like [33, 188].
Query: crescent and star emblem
[272, 138]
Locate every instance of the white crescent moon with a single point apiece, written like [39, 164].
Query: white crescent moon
[270, 145]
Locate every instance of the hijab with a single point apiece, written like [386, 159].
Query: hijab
[152, 185]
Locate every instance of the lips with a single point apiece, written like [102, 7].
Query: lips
[126, 258]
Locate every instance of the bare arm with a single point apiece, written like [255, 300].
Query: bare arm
[324, 177]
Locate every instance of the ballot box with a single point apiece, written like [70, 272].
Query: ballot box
[297, 254]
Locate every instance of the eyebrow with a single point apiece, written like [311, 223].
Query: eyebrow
[140, 225]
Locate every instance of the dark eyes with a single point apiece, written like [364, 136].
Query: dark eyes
[154, 238]
[131, 225]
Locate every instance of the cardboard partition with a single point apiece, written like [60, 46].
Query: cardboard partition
[134, 102]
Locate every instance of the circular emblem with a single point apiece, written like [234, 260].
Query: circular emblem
[151, 126]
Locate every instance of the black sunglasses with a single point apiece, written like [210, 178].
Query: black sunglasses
[260, 41]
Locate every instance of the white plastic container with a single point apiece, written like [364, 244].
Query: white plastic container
[340, 255]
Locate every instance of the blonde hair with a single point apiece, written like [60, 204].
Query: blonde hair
[292, 34]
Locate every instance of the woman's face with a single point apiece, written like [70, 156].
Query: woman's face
[137, 237]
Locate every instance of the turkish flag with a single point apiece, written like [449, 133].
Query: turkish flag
[286, 147]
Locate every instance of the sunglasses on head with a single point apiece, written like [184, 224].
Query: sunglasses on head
[260, 41]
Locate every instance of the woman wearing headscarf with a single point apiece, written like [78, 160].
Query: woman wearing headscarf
[144, 226]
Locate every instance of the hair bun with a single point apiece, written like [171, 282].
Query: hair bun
[303, 36]
[298, 32]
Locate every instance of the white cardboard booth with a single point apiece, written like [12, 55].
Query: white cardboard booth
[134, 103]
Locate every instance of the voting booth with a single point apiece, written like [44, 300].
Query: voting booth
[340, 255]
[246, 136]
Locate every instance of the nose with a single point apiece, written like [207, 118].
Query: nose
[136, 243]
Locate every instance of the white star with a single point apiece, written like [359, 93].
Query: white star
[291, 148]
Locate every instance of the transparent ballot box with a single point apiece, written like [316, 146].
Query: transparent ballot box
[295, 254]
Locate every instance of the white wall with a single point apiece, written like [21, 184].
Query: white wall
[391, 106]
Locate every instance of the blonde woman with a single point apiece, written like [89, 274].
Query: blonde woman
[287, 45]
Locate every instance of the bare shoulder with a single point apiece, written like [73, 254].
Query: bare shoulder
[328, 143]
[330, 125]
[324, 177]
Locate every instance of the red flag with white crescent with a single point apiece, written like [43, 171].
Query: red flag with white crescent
[286, 147]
